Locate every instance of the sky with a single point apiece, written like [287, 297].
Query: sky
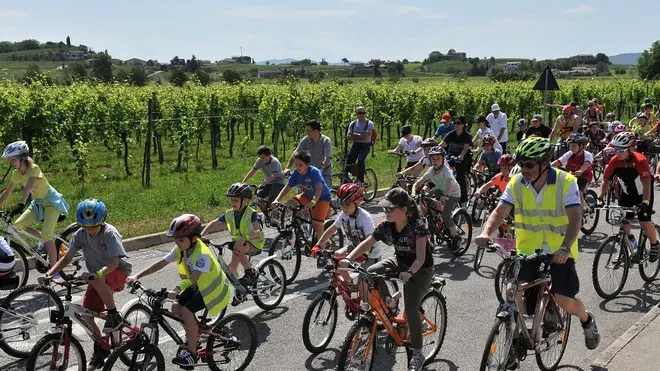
[355, 29]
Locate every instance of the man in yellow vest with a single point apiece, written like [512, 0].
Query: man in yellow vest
[203, 283]
[547, 213]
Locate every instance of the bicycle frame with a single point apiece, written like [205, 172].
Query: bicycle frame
[237, 284]
[13, 233]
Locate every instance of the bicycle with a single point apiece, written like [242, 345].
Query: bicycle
[57, 345]
[370, 183]
[271, 276]
[263, 206]
[550, 327]
[16, 238]
[559, 148]
[507, 240]
[143, 347]
[469, 179]
[590, 213]
[396, 326]
[458, 244]
[293, 240]
[622, 254]
[404, 181]
[484, 205]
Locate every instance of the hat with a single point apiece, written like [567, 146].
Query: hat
[538, 116]
[534, 119]
[395, 197]
[495, 107]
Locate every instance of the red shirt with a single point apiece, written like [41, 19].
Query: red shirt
[575, 163]
[630, 173]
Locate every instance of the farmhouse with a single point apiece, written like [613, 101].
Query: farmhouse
[135, 62]
[512, 65]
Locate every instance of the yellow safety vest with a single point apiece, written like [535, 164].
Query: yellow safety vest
[213, 284]
[245, 227]
[545, 224]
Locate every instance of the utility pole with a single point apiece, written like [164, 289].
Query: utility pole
[241, 48]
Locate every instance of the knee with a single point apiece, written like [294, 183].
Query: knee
[176, 309]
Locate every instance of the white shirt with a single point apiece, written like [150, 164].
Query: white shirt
[481, 133]
[588, 157]
[411, 146]
[358, 229]
[203, 263]
[497, 123]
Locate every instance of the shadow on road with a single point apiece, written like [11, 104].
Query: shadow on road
[487, 272]
[592, 241]
[570, 367]
[441, 364]
[454, 269]
[326, 360]
[19, 364]
[640, 300]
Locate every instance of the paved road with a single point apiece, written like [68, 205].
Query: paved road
[471, 304]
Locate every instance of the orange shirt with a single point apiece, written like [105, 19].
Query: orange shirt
[499, 182]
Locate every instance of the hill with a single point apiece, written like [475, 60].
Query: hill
[625, 58]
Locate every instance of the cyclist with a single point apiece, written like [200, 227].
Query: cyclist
[537, 128]
[315, 194]
[105, 257]
[578, 162]
[405, 230]
[359, 132]
[609, 119]
[445, 189]
[617, 128]
[47, 204]
[244, 225]
[446, 125]
[203, 285]
[458, 145]
[490, 156]
[500, 180]
[421, 165]
[498, 122]
[567, 123]
[273, 175]
[8, 280]
[484, 128]
[592, 114]
[411, 144]
[319, 147]
[634, 175]
[595, 136]
[522, 128]
[639, 124]
[542, 190]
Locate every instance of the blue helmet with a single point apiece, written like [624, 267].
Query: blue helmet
[91, 213]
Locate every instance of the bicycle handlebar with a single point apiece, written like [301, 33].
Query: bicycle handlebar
[356, 267]
[539, 254]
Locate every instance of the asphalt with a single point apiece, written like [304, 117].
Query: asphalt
[471, 305]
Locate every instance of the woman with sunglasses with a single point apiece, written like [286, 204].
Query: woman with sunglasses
[405, 230]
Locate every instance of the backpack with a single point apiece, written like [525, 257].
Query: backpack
[374, 132]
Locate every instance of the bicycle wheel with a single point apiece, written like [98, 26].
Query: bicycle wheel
[478, 257]
[478, 207]
[336, 242]
[48, 354]
[320, 315]
[648, 270]
[498, 346]
[500, 278]
[136, 315]
[21, 267]
[286, 248]
[370, 185]
[598, 171]
[590, 218]
[25, 317]
[231, 344]
[552, 347]
[464, 225]
[71, 270]
[360, 346]
[434, 324]
[615, 260]
[140, 357]
[271, 283]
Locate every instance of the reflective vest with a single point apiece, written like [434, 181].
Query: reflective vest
[544, 225]
[244, 229]
[213, 285]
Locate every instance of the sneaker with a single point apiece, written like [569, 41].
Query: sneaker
[591, 334]
[113, 322]
[654, 252]
[185, 358]
[249, 279]
[41, 248]
[98, 357]
[238, 299]
[417, 361]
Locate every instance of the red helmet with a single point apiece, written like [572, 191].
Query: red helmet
[350, 192]
[567, 108]
[505, 160]
[186, 225]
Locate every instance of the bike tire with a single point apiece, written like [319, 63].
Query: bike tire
[19, 254]
[372, 185]
[211, 348]
[46, 344]
[478, 257]
[292, 258]
[590, 199]
[648, 275]
[149, 351]
[7, 303]
[623, 254]
[500, 273]
[462, 221]
[138, 307]
[274, 269]
[478, 207]
[354, 331]
[567, 330]
[494, 332]
[441, 327]
[326, 298]
[69, 231]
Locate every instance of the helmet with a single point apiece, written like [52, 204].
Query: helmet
[91, 213]
[623, 140]
[578, 139]
[437, 150]
[610, 114]
[488, 139]
[241, 190]
[533, 148]
[505, 160]
[619, 128]
[567, 109]
[186, 225]
[350, 192]
[538, 117]
[430, 142]
[593, 123]
[642, 115]
[16, 149]
[522, 122]
[514, 170]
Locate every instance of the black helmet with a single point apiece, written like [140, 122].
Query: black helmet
[241, 190]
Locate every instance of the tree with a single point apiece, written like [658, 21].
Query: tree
[405, 61]
[648, 64]
[344, 60]
[203, 77]
[323, 62]
[32, 72]
[192, 65]
[102, 67]
[78, 72]
[178, 77]
[138, 76]
[602, 68]
[231, 76]
[68, 41]
[602, 57]
[176, 61]
[122, 76]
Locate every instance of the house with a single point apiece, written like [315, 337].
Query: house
[76, 55]
[512, 65]
[135, 62]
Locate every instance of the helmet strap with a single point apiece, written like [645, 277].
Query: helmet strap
[540, 172]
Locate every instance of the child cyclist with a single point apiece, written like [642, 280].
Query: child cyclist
[404, 229]
[578, 162]
[203, 283]
[101, 247]
[490, 155]
[244, 225]
[500, 180]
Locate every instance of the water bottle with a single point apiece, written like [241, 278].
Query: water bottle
[393, 303]
[633, 241]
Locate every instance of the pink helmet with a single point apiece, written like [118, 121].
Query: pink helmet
[619, 128]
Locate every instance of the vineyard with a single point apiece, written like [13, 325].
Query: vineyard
[82, 130]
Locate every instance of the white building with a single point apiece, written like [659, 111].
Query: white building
[512, 65]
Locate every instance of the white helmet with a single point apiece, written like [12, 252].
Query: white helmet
[16, 149]
[623, 140]
[514, 170]
[495, 107]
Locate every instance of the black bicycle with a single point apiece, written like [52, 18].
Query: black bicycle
[349, 175]
[458, 244]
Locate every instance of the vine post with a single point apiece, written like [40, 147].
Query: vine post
[146, 164]
[214, 131]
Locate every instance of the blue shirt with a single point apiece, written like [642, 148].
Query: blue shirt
[306, 183]
[490, 158]
[443, 129]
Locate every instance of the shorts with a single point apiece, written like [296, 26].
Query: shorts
[411, 164]
[269, 191]
[252, 250]
[582, 184]
[192, 299]
[51, 215]
[319, 211]
[565, 279]
[642, 215]
[91, 299]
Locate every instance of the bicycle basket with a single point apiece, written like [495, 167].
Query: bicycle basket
[509, 244]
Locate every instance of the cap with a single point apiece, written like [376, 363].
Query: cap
[534, 119]
[495, 107]
[395, 197]
[538, 116]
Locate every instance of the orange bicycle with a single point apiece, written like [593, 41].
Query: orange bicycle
[357, 352]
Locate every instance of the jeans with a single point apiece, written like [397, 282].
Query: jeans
[505, 149]
[358, 151]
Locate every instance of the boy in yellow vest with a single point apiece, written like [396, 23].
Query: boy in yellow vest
[244, 224]
[204, 285]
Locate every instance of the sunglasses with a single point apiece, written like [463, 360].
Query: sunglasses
[389, 209]
[361, 113]
[527, 164]
[619, 151]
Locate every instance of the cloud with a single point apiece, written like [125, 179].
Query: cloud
[581, 9]
[413, 10]
[278, 13]
[12, 14]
